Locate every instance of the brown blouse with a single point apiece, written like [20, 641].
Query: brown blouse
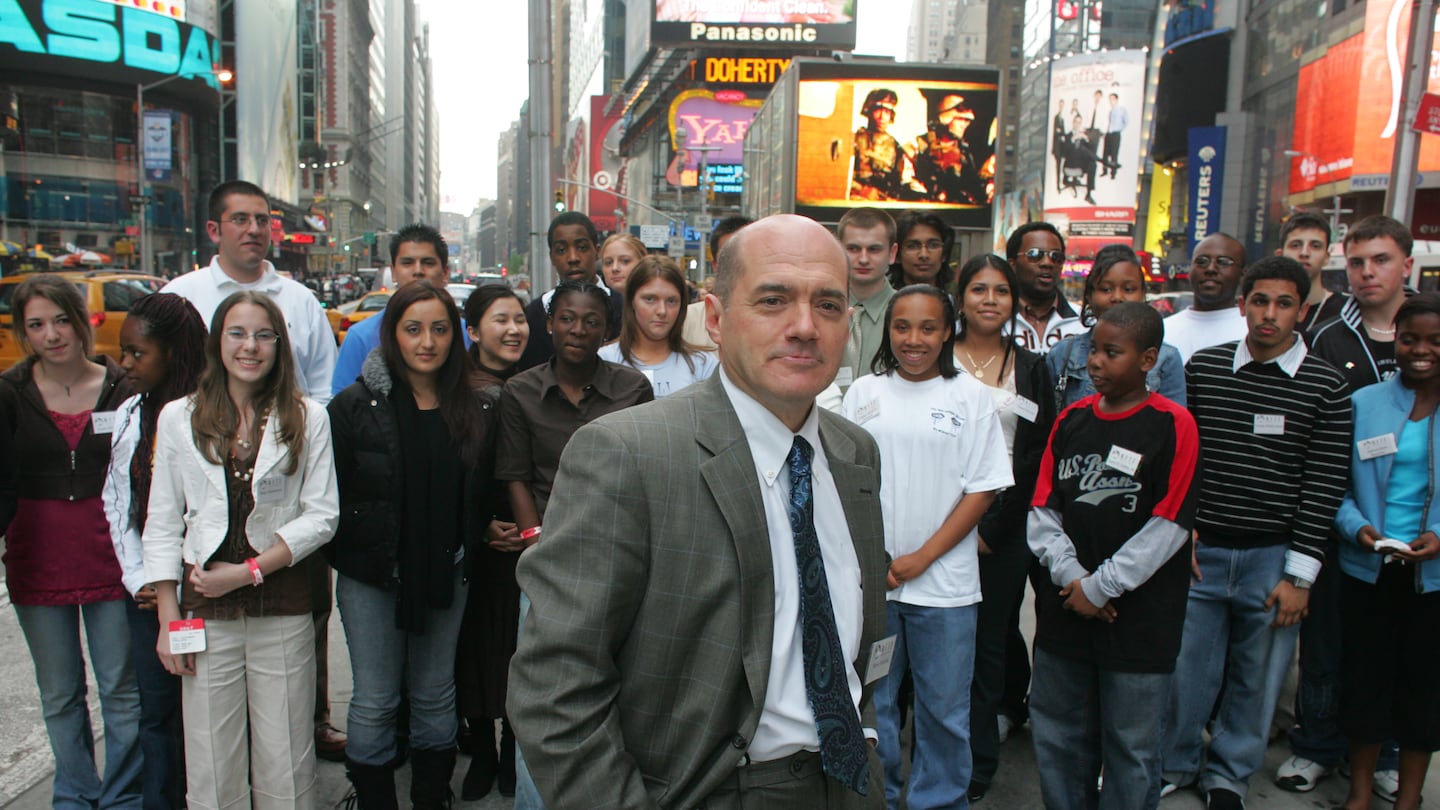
[285, 592]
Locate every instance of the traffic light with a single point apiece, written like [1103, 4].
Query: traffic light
[559, 201]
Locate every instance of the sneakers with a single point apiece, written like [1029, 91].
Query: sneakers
[1222, 799]
[1167, 787]
[1004, 723]
[1387, 785]
[1300, 775]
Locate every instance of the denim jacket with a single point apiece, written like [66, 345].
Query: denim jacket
[1380, 409]
[1072, 380]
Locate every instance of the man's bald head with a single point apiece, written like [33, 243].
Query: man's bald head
[788, 230]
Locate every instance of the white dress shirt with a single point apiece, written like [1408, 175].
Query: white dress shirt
[311, 340]
[787, 723]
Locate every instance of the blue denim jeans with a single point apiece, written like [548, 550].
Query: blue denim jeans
[53, 635]
[1226, 616]
[937, 646]
[162, 739]
[1083, 717]
[384, 659]
[527, 796]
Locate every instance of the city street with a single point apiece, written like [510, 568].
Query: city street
[25, 764]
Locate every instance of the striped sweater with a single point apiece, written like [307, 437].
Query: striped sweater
[1259, 487]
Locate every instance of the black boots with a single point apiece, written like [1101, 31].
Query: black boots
[374, 786]
[507, 760]
[484, 766]
[430, 773]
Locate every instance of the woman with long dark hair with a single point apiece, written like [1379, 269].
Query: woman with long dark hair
[410, 436]
[58, 407]
[495, 320]
[652, 329]
[162, 350]
[1020, 387]
[243, 489]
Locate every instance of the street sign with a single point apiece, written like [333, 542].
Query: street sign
[655, 236]
[1427, 118]
[676, 249]
[139, 199]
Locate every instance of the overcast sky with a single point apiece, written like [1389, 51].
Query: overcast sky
[479, 53]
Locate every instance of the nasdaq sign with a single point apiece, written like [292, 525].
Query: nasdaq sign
[73, 37]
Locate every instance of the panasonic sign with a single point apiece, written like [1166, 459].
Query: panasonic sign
[73, 37]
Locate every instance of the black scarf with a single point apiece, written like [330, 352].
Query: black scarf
[433, 478]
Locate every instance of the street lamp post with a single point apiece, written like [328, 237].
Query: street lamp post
[701, 185]
[141, 203]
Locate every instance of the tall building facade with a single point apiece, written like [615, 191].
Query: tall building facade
[951, 32]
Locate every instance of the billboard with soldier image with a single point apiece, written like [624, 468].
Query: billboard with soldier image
[897, 136]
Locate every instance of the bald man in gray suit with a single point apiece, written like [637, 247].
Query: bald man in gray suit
[675, 655]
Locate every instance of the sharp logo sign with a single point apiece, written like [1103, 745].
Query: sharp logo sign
[72, 36]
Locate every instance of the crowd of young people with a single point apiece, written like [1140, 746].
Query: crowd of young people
[1190, 499]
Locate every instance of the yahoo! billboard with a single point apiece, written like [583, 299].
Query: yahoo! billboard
[92, 38]
[712, 129]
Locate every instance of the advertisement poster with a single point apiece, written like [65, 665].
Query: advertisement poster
[714, 130]
[157, 145]
[1207, 183]
[922, 143]
[791, 23]
[1341, 132]
[1096, 115]
[606, 165]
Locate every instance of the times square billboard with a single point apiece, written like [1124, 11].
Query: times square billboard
[792, 24]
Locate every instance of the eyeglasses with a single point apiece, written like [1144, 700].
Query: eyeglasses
[930, 246]
[243, 221]
[1036, 254]
[1203, 262]
[264, 337]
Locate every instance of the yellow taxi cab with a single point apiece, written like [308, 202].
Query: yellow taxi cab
[371, 304]
[108, 295]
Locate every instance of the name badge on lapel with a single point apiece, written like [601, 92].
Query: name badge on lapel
[270, 489]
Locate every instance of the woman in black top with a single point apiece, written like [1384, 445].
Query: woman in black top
[409, 439]
[495, 319]
[1022, 389]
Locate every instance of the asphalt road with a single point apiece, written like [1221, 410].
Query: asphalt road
[25, 762]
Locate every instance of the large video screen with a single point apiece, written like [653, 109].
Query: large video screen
[899, 137]
[732, 23]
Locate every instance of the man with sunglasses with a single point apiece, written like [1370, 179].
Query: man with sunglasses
[1216, 268]
[1037, 252]
[239, 225]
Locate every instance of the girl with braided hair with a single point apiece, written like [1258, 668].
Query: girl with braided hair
[162, 350]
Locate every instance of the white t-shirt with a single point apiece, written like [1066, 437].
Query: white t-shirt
[1191, 330]
[670, 376]
[939, 440]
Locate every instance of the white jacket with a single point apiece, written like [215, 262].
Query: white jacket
[117, 493]
[189, 511]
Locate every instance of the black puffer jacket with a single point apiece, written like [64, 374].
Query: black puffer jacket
[368, 466]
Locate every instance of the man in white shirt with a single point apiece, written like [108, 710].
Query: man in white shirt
[687, 547]
[1212, 318]
[239, 225]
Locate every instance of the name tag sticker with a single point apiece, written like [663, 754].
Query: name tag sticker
[102, 422]
[187, 636]
[649, 376]
[868, 411]
[1126, 461]
[270, 489]
[1270, 424]
[1026, 409]
[845, 376]
[881, 652]
[1376, 446]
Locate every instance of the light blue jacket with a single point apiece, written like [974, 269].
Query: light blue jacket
[1380, 409]
[1067, 361]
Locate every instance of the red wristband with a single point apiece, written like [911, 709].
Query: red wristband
[255, 572]
[532, 532]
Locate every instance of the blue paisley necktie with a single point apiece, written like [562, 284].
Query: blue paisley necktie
[843, 751]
